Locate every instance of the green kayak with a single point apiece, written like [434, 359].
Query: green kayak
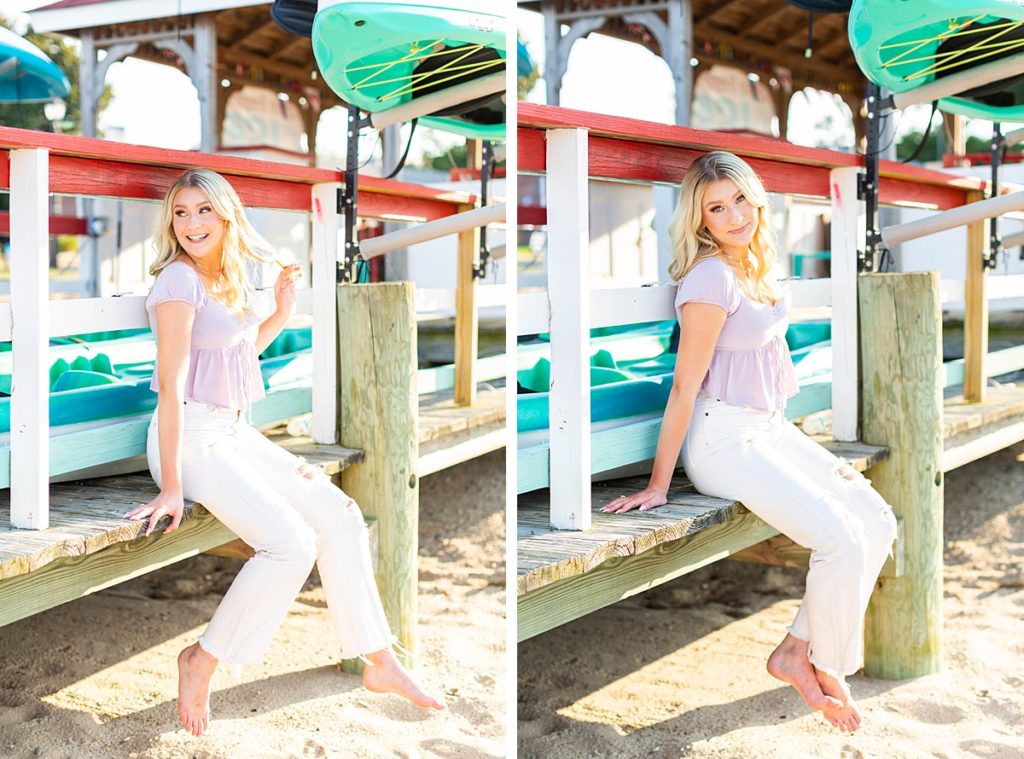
[378, 55]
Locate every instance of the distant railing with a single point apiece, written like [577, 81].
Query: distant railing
[34, 165]
[572, 147]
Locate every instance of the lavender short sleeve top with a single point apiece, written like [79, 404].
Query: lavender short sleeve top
[751, 365]
[223, 365]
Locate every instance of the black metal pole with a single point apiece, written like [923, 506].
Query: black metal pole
[486, 168]
[996, 155]
[869, 186]
[347, 200]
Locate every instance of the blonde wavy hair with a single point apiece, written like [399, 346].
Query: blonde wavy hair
[691, 241]
[241, 241]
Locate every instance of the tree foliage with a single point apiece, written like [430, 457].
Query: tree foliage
[527, 83]
[930, 152]
[30, 115]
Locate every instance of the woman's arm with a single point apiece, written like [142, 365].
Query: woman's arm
[701, 325]
[173, 345]
[284, 298]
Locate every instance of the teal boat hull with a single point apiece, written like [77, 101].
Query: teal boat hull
[378, 55]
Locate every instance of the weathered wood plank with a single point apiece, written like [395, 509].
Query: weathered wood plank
[546, 555]
[969, 430]
[87, 516]
[440, 417]
[1001, 404]
[453, 449]
[70, 576]
[624, 576]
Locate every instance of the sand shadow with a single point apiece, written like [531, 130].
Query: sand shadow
[600, 649]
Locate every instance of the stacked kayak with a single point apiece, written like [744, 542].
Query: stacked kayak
[106, 376]
[378, 55]
[903, 45]
[631, 373]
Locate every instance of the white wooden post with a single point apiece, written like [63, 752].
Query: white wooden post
[569, 298]
[848, 219]
[326, 222]
[204, 77]
[30, 316]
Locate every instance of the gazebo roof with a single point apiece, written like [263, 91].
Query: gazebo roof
[251, 48]
[755, 35]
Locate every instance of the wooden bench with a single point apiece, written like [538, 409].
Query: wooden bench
[973, 430]
[450, 434]
[90, 546]
[563, 575]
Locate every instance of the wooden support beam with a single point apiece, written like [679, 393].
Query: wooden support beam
[261, 25]
[975, 307]
[768, 52]
[286, 50]
[239, 549]
[466, 315]
[780, 551]
[379, 408]
[761, 17]
[902, 401]
[287, 70]
[711, 9]
[235, 549]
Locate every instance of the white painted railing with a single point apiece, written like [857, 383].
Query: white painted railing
[570, 309]
[30, 318]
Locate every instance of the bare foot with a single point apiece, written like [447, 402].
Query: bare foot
[790, 664]
[847, 717]
[385, 675]
[195, 668]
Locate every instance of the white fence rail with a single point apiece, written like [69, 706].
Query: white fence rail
[31, 318]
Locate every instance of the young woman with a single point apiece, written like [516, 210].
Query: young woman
[726, 411]
[201, 447]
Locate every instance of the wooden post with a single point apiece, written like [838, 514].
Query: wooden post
[975, 308]
[902, 401]
[569, 299]
[847, 236]
[466, 315]
[30, 336]
[325, 311]
[380, 415]
[204, 77]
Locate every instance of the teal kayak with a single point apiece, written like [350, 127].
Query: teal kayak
[378, 55]
[903, 45]
[92, 387]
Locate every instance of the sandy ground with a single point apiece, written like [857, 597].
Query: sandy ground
[96, 677]
[679, 670]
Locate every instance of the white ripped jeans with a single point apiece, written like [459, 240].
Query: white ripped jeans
[256, 489]
[795, 485]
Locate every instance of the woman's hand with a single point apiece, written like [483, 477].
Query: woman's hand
[284, 288]
[646, 499]
[167, 502]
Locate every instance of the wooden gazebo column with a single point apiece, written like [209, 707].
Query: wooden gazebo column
[675, 40]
